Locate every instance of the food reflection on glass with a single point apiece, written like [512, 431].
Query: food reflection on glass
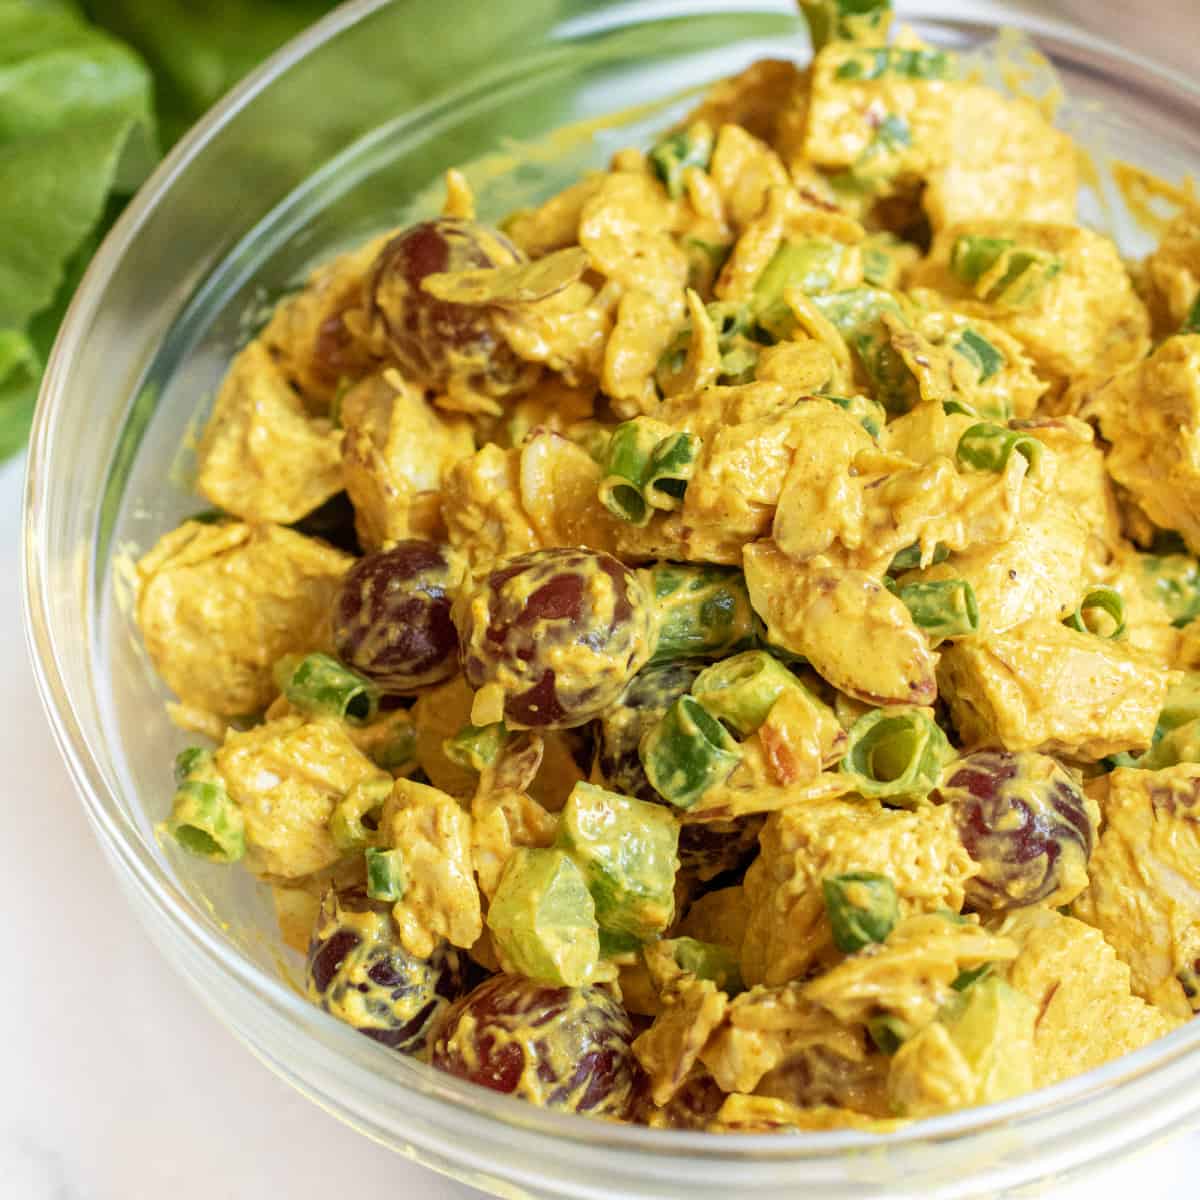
[719, 650]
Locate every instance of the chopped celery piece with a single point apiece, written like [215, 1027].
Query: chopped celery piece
[856, 314]
[1001, 271]
[543, 920]
[811, 265]
[627, 851]
[1178, 745]
[862, 908]
[989, 1022]
[687, 752]
[896, 754]
[706, 960]
[1173, 580]
[1181, 705]
[846, 20]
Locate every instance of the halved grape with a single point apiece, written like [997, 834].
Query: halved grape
[1028, 825]
[391, 617]
[563, 1048]
[560, 632]
[358, 971]
[436, 342]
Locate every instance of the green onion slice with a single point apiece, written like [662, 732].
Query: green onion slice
[943, 609]
[987, 447]
[703, 611]
[1191, 323]
[896, 754]
[671, 157]
[625, 471]
[876, 62]
[1001, 271]
[980, 353]
[910, 557]
[206, 822]
[1097, 600]
[364, 801]
[321, 686]
[687, 752]
[863, 908]
[889, 1033]
[742, 690]
[846, 20]
[386, 877]
[671, 466]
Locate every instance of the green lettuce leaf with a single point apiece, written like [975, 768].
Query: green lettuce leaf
[76, 126]
[198, 49]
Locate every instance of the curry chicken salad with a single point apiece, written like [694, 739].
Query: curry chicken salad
[720, 649]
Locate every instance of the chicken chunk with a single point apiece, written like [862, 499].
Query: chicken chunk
[432, 832]
[262, 457]
[1035, 573]
[1044, 686]
[910, 975]
[287, 777]
[1086, 1012]
[787, 928]
[853, 631]
[1002, 161]
[1172, 272]
[1151, 415]
[219, 605]
[481, 504]
[1144, 895]
[397, 451]
[307, 334]
[669, 1049]
[1084, 320]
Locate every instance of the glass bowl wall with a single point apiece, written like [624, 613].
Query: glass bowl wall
[345, 133]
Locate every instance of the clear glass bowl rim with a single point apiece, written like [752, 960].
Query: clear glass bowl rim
[366, 1064]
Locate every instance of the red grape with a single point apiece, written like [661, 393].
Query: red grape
[564, 1048]
[391, 617]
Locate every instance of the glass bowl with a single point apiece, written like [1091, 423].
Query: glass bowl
[343, 133]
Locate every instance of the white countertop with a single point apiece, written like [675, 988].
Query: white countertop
[117, 1084]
